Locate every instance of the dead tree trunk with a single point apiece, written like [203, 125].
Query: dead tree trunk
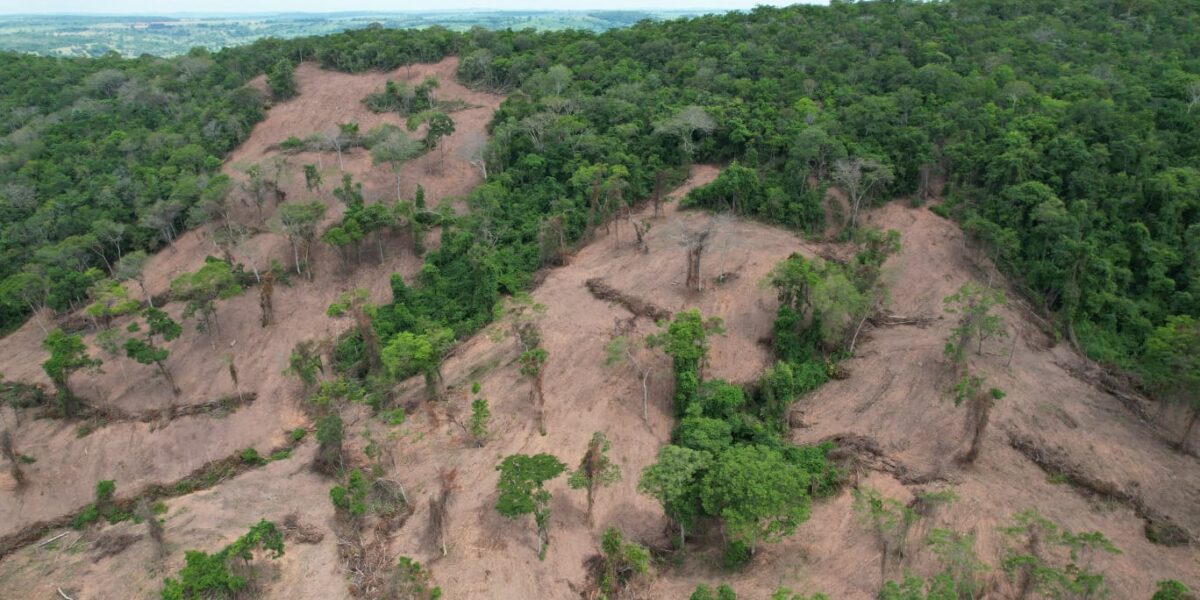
[13, 458]
[978, 415]
[1187, 433]
[266, 291]
[660, 182]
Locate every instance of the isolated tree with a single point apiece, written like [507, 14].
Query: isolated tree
[341, 138]
[1048, 560]
[522, 491]
[233, 375]
[68, 355]
[757, 493]
[695, 240]
[673, 481]
[266, 293]
[112, 343]
[969, 390]
[531, 367]
[330, 433]
[356, 304]
[305, 363]
[438, 125]
[201, 290]
[8, 450]
[109, 299]
[299, 222]
[891, 520]
[622, 349]
[154, 527]
[596, 470]
[394, 148]
[282, 80]
[262, 182]
[480, 415]
[147, 351]
[312, 178]
[133, 266]
[976, 323]
[439, 507]
[858, 177]
[409, 353]
[1171, 362]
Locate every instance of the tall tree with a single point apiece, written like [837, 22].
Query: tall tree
[858, 178]
[201, 290]
[596, 470]
[522, 491]
[147, 351]
[299, 222]
[757, 493]
[395, 149]
[68, 355]
[1171, 361]
[673, 481]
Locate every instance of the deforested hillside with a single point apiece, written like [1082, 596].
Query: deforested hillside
[877, 300]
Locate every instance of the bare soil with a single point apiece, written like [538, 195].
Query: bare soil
[894, 399]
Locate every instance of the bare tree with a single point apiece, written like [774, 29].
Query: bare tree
[858, 177]
[13, 458]
[154, 527]
[685, 125]
[265, 293]
[473, 149]
[695, 240]
[1193, 90]
[623, 349]
[439, 517]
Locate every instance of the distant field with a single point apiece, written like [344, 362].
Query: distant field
[169, 36]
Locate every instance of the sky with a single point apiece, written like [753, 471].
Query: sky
[165, 7]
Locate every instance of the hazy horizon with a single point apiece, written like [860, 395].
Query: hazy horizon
[268, 7]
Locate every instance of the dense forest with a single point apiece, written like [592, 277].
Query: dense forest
[1065, 133]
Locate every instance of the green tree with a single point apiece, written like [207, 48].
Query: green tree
[532, 362]
[395, 149]
[1051, 561]
[622, 561]
[1171, 361]
[673, 480]
[596, 469]
[68, 355]
[356, 304]
[439, 125]
[976, 323]
[757, 493]
[148, 352]
[685, 340]
[409, 353]
[522, 491]
[133, 266]
[282, 81]
[299, 222]
[478, 428]
[201, 290]
[223, 574]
